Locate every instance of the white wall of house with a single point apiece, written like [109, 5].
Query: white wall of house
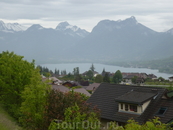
[171, 79]
[144, 106]
[140, 108]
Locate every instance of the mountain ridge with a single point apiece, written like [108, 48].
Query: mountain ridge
[11, 27]
[109, 40]
[132, 18]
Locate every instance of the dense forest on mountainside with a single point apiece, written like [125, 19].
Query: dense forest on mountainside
[163, 65]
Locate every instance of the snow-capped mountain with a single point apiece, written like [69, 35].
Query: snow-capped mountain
[66, 28]
[15, 27]
[2, 26]
[11, 27]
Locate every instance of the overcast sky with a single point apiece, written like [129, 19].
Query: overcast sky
[155, 14]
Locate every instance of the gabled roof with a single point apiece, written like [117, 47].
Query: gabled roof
[105, 95]
[135, 97]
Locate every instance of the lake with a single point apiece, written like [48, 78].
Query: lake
[99, 68]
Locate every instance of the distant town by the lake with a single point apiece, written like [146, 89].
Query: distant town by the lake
[99, 68]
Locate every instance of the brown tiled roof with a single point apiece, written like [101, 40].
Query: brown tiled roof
[135, 97]
[105, 95]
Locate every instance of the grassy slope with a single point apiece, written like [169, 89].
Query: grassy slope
[7, 122]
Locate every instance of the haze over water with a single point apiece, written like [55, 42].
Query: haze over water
[99, 68]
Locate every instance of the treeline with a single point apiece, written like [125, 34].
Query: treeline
[82, 78]
[47, 72]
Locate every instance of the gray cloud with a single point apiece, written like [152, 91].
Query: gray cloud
[154, 14]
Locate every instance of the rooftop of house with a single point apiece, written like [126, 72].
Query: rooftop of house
[105, 95]
[135, 97]
[66, 89]
[166, 104]
[60, 88]
[171, 77]
[83, 91]
[92, 86]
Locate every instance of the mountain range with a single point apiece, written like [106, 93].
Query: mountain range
[122, 40]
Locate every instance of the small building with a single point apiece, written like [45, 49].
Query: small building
[171, 78]
[70, 84]
[55, 80]
[95, 73]
[152, 76]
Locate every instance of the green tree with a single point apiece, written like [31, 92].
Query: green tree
[89, 74]
[63, 72]
[15, 75]
[77, 76]
[106, 78]
[92, 68]
[134, 79]
[153, 124]
[56, 72]
[117, 78]
[34, 101]
[76, 71]
[103, 72]
[99, 78]
[161, 79]
[47, 74]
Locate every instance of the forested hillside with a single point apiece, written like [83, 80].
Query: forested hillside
[163, 65]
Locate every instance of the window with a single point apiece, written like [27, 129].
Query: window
[161, 111]
[126, 107]
[133, 108]
[121, 106]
